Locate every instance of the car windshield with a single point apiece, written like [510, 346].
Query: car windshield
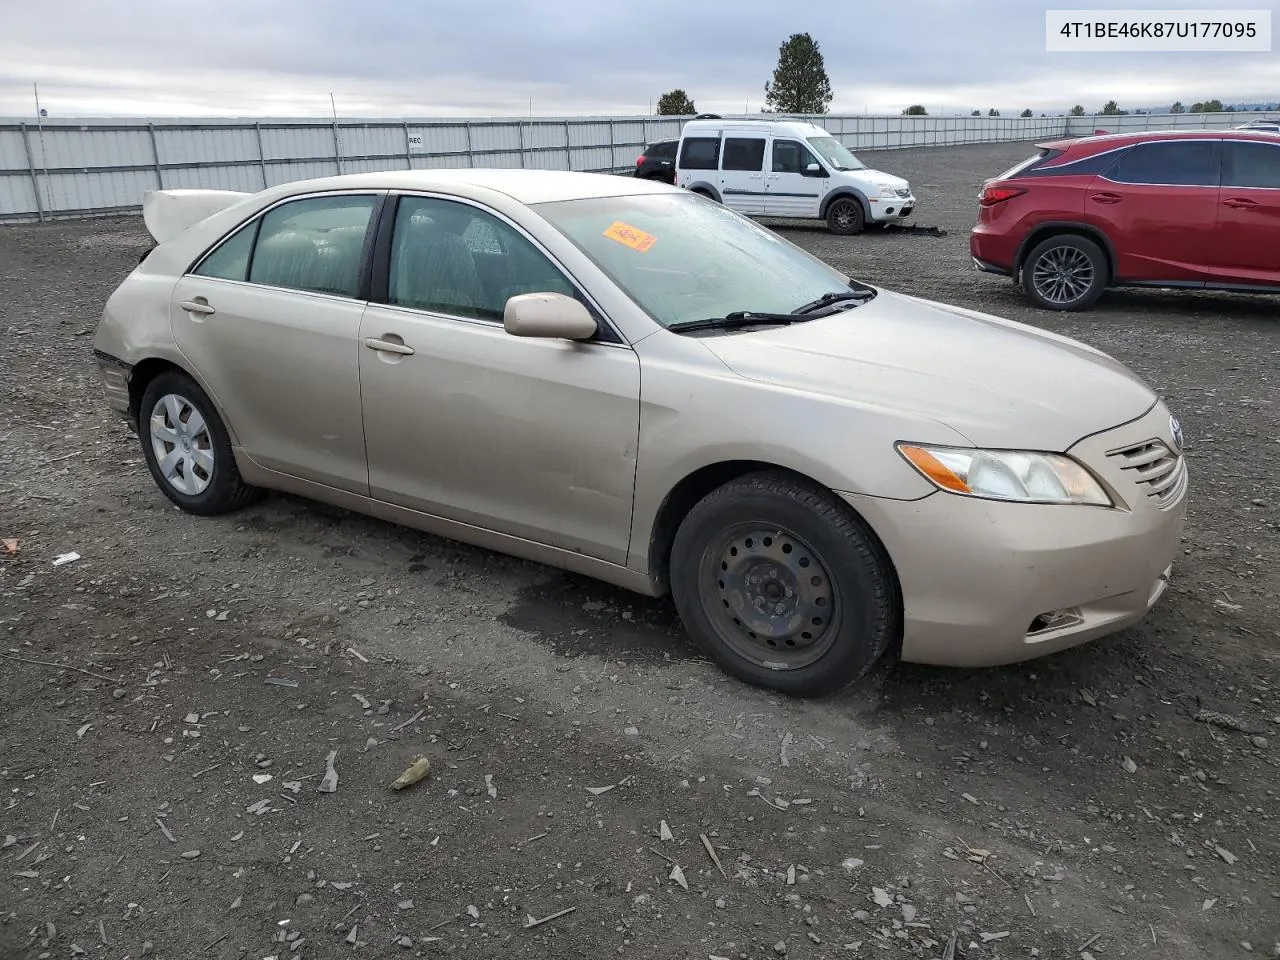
[836, 153]
[683, 258]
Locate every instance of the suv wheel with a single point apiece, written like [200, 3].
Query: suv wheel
[845, 217]
[1066, 272]
[783, 585]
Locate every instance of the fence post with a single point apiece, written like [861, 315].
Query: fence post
[522, 163]
[613, 148]
[262, 155]
[155, 156]
[408, 148]
[337, 148]
[31, 166]
[471, 154]
[568, 148]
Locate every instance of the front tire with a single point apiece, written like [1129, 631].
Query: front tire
[188, 449]
[783, 585]
[1065, 272]
[845, 217]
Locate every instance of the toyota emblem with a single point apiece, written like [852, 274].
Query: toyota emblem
[1175, 430]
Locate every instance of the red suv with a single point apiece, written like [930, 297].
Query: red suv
[1169, 209]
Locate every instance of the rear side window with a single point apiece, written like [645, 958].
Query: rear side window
[230, 260]
[1249, 164]
[1185, 163]
[744, 153]
[315, 245]
[700, 153]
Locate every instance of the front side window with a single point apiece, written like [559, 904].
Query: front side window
[789, 156]
[681, 258]
[744, 153]
[700, 153]
[836, 153]
[315, 244]
[1251, 164]
[1183, 163]
[452, 258]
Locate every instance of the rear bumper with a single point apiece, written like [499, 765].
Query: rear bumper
[987, 583]
[114, 375]
[992, 252]
[985, 267]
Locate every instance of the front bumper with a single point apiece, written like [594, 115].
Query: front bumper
[987, 583]
[891, 209]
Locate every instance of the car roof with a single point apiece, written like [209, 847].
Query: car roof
[780, 124]
[1112, 141]
[523, 186]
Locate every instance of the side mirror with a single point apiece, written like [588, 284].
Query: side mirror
[548, 315]
[813, 170]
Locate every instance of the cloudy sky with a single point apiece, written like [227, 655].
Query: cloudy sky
[491, 57]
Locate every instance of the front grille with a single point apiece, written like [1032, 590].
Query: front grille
[1158, 472]
[903, 191]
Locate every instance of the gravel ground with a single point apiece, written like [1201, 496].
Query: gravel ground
[170, 699]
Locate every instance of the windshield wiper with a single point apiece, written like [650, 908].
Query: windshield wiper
[731, 321]
[831, 299]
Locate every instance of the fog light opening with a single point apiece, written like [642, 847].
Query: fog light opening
[1055, 620]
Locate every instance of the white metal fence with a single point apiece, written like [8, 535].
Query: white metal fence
[72, 168]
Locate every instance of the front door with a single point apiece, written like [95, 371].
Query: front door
[742, 174]
[791, 188]
[529, 437]
[269, 321]
[1246, 247]
[1157, 204]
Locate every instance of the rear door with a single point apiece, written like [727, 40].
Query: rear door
[791, 189]
[1246, 241]
[742, 174]
[1158, 203]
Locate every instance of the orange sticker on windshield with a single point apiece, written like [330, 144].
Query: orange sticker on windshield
[630, 236]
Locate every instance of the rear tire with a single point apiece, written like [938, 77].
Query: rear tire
[187, 448]
[1065, 272]
[845, 217]
[784, 586]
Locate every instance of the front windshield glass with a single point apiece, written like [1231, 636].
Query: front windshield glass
[836, 153]
[684, 258]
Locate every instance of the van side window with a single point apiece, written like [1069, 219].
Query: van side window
[791, 157]
[700, 153]
[744, 153]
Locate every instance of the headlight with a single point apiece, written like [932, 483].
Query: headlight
[887, 189]
[1014, 475]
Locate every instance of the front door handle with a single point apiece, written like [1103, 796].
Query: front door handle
[387, 346]
[198, 306]
[1106, 197]
[1239, 202]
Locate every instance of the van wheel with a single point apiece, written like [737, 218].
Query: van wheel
[1066, 272]
[783, 585]
[845, 217]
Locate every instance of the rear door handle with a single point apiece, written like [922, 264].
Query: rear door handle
[199, 306]
[1106, 197]
[387, 346]
[1239, 202]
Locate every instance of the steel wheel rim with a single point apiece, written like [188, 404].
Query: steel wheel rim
[182, 444]
[1063, 274]
[844, 214]
[769, 596]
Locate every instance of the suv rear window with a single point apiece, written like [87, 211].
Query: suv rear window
[700, 153]
[666, 150]
[1186, 163]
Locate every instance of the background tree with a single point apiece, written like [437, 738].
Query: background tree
[1026, 113]
[976, 113]
[1077, 111]
[1207, 106]
[1178, 108]
[915, 110]
[1112, 109]
[993, 112]
[675, 103]
[800, 83]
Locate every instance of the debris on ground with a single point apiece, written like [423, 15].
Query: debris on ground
[329, 782]
[415, 772]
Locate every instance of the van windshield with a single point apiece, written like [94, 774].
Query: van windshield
[836, 153]
[683, 258]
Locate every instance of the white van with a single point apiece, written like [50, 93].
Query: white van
[787, 168]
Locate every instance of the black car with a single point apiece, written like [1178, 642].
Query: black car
[658, 162]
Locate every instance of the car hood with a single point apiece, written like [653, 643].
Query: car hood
[879, 176]
[997, 382]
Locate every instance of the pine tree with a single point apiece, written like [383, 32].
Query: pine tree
[675, 103]
[800, 82]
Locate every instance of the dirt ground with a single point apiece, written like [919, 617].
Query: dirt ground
[169, 701]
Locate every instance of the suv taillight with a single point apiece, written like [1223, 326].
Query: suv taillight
[639, 159]
[998, 194]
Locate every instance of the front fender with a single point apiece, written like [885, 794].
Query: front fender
[847, 192]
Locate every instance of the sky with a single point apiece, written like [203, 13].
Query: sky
[463, 58]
